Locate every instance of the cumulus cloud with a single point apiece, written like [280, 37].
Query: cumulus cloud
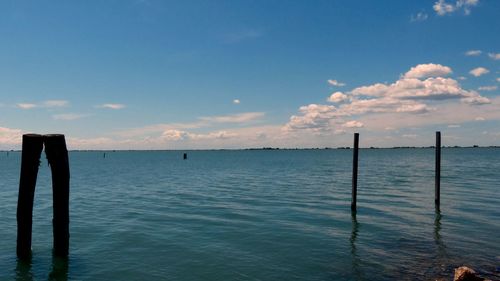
[498, 79]
[476, 99]
[442, 7]
[114, 106]
[488, 88]
[315, 117]
[352, 124]
[494, 56]
[433, 88]
[338, 97]
[473, 53]
[478, 71]
[10, 137]
[335, 83]
[427, 70]
[421, 16]
[175, 135]
[236, 101]
[418, 91]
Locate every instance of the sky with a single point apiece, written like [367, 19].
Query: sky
[148, 74]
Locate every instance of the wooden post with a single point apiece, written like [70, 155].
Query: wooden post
[355, 172]
[30, 161]
[185, 156]
[437, 180]
[57, 155]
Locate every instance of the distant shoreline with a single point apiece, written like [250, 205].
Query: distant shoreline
[266, 148]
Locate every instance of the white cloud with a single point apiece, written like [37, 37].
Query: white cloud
[442, 7]
[10, 137]
[421, 16]
[462, 78]
[111, 106]
[383, 105]
[335, 83]
[26, 105]
[498, 79]
[315, 117]
[480, 118]
[434, 88]
[494, 56]
[406, 96]
[478, 71]
[44, 104]
[240, 119]
[68, 116]
[352, 124]
[475, 99]
[235, 118]
[374, 90]
[473, 53]
[427, 70]
[174, 135]
[236, 101]
[55, 103]
[487, 88]
[338, 97]
[179, 135]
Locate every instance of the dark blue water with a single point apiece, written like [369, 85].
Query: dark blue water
[261, 215]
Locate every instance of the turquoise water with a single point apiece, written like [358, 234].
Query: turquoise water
[261, 215]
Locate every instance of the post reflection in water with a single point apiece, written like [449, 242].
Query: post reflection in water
[59, 270]
[352, 240]
[441, 248]
[23, 270]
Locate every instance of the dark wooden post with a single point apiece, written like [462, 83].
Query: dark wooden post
[30, 161]
[355, 172]
[437, 180]
[57, 155]
[185, 156]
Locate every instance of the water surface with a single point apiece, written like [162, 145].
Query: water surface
[261, 215]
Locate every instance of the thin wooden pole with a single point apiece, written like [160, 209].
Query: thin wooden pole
[437, 180]
[30, 161]
[57, 155]
[355, 172]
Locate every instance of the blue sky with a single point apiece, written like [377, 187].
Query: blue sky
[152, 74]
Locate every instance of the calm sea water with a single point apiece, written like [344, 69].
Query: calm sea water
[261, 215]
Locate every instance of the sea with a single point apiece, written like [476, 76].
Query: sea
[261, 215]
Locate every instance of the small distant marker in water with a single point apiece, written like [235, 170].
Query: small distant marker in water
[185, 156]
[104, 155]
